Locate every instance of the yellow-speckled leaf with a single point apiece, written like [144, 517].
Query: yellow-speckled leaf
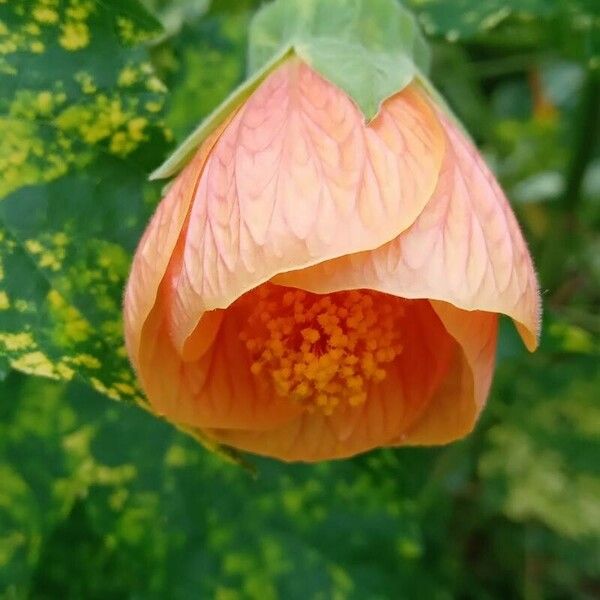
[81, 122]
[572, 25]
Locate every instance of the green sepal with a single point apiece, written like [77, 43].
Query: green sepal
[371, 49]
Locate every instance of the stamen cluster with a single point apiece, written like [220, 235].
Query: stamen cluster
[323, 351]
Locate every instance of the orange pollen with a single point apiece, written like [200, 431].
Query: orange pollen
[322, 351]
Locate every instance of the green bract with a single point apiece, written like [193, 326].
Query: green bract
[369, 48]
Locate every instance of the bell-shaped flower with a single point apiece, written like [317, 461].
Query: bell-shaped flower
[313, 286]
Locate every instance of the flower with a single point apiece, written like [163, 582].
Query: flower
[312, 286]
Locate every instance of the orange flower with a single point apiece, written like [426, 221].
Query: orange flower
[312, 287]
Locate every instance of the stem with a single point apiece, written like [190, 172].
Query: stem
[587, 127]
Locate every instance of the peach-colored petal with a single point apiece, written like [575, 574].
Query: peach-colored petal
[453, 411]
[393, 406]
[465, 248]
[297, 178]
[157, 245]
[211, 384]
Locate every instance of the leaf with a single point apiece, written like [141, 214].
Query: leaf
[72, 87]
[173, 14]
[541, 460]
[32, 420]
[98, 502]
[63, 279]
[48, 463]
[468, 18]
[573, 24]
[4, 368]
[80, 109]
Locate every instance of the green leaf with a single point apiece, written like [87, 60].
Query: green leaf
[573, 25]
[80, 110]
[468, 18]
[4, 367]
[542, 458]
[47, 465]
[173, 14]
[72, 86]
[32, 421]
[98, 502]
[63, 276]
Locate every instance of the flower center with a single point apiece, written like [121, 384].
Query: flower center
[322, 351]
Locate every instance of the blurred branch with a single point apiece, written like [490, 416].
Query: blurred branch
[543, 108]
[586, 129]
[565, 242]
[507, 65]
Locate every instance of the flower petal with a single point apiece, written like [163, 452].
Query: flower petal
[154, 251]
[297, 178]
[465, 248]
[210, 384]
[454, 409]
[393, 407]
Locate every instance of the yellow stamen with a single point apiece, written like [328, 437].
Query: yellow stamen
[322, 351]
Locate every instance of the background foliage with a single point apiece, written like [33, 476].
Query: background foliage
[100, 500]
